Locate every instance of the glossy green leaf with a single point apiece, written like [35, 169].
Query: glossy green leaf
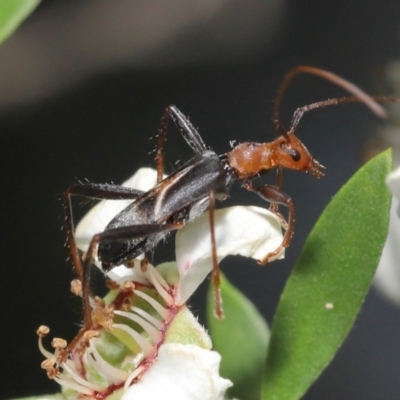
[329, 283]
[12, 13]
[241, 339]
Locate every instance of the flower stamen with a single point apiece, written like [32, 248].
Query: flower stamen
[42, 332]
[142, 342]
[58, 343]
[132, 376]
[154, 303]
[153, 320]
[115, 375]
[73, 385]
[82, 381]
[159, 283]
[154, 334]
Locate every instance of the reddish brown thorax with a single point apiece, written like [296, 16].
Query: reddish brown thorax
[249, 159]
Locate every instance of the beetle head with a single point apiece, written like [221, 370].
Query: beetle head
[290, 152]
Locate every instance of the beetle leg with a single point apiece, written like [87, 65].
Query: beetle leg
[97, 191]
[186, 129]
[274, 195]
[94, 191]
[216, 281]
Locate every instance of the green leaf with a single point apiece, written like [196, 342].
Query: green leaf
[329, 283]
[12, 13]
[241, 339]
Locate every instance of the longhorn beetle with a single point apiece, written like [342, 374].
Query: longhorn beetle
[192, 188]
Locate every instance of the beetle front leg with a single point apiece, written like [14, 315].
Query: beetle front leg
[274, 207]
[273, 195]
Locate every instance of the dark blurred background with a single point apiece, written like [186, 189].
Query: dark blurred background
[82, 89]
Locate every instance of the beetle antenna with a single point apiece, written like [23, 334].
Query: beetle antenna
[298, 114]
[360, 95]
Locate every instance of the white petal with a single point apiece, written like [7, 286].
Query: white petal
[102, 213]
[181, 372]
[123, 274]
[393, 182]
[387, 278]
[247, 231]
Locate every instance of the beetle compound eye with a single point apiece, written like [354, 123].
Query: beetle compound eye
[292, 152]
[295, 155]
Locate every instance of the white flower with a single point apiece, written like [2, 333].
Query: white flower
[387, 278]
[139, 334]
[247, 231]
[181, 372]
[145, 343]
